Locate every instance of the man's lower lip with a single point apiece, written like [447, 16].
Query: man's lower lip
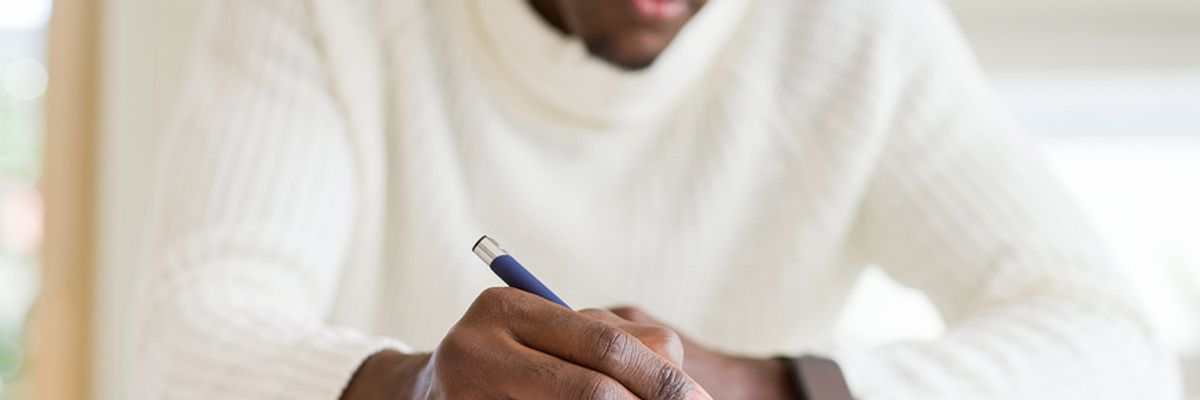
[660, 10]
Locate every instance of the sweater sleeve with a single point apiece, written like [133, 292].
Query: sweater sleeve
[255, 209]
[962, 208]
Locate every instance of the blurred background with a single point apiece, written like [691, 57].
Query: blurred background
[1109, 88]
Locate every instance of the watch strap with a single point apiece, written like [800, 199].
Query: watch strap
[817, 378]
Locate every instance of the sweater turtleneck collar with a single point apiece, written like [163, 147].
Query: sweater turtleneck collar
[554, 72]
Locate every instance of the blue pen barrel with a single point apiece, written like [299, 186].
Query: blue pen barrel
[515, 275]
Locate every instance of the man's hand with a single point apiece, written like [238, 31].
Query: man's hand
[725, 376]
[511, 344]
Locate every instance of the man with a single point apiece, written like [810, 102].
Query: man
[729, 166]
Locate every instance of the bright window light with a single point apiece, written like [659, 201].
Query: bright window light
[23, 79]
[24, 14]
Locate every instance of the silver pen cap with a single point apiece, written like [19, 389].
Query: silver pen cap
[488, 249]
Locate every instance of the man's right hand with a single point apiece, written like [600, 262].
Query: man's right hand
[511, 344]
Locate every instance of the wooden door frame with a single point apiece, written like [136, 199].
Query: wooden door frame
[61, 357]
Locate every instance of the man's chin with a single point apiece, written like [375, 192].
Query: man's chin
[632, 64]
[635, 57]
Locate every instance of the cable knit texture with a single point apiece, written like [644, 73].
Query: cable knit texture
[332, 160]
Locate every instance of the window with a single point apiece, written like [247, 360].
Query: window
[22, 83]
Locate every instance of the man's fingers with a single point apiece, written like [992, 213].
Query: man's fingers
[587, 342]
[542, 376]
[614, 352]
[634, 314]
[660, 339]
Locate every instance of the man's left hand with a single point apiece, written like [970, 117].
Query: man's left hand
[725, 376]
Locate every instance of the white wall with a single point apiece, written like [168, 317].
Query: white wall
[1040, 35]
[1079, 10]
[143, 49]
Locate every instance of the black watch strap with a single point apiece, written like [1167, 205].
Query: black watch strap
[817, 378]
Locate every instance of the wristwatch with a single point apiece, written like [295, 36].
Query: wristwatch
[817, 378]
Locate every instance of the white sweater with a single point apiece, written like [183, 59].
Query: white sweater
[333, 161]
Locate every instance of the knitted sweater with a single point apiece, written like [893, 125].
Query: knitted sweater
[333, 160]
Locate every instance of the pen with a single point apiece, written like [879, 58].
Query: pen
[510, 271]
